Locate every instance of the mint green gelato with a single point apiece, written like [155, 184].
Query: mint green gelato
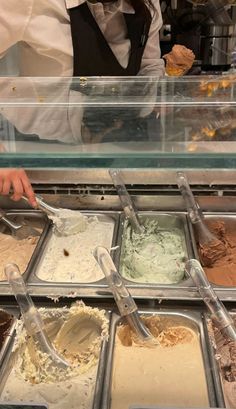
[156, 256]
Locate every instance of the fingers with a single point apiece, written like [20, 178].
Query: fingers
[18, 180]
[27, 188]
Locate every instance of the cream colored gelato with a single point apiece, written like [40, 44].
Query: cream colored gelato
[77, 334]
[15, 251]
[170, 374]
[155, 256]
[68, 222]
[70, 258]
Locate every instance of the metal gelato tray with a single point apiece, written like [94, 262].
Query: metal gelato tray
[217, 377]
[10, 333]
[189, 318]
[168, 221]
[35, 281]
[11, 358]
[228, 219]
[42, 221]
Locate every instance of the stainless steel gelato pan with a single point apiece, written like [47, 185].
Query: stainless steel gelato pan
[22, 252]
[68, 260]
[157, 257]
[174, 373]
[80, 335]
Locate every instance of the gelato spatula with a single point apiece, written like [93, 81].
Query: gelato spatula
[19, 231]
[219, 313]
[211, 248]
[125, 303]
[32, 319]
[126, 201]
[66, 221]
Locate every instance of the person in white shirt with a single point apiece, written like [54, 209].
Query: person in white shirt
[80, 38]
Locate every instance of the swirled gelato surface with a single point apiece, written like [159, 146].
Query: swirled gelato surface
[77, 334]
[225, 354]
[5, 324]
[156, 256]
[171, 374]
[221, 270]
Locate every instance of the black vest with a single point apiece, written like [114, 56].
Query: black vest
[92, 54]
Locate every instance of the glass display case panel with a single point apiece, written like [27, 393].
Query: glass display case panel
[126, 122]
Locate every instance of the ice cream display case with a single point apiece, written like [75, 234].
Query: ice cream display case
[71, 135]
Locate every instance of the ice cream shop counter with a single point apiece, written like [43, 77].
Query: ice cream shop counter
[118, 290]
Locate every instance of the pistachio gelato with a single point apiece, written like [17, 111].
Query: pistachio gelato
[155, 256]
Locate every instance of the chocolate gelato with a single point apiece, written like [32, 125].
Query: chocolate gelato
[225, 354]
[5, 324]
[220, 270]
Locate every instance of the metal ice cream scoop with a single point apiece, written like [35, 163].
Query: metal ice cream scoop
[219, 314]
[125, 303]
[126, 201]
[45, 207]
[205, 237]
[67, 224]
[32, 319]
[19, 231]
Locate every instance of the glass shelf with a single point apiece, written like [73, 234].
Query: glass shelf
[133, 122]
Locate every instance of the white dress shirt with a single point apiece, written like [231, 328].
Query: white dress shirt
[42, 29]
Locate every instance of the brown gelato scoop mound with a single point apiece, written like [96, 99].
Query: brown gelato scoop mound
[211, 252]
[165, 332]
[179, 60]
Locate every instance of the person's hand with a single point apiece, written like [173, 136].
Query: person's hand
[18, 181]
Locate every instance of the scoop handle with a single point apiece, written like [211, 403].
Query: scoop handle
[31, 316]
[45, 207]
[190, 202]
[123, 299]
[8, 222]
[125, 200]
[217, 309]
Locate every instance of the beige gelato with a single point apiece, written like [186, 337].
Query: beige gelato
[70, 258]
[179, 60]
[77, 334]
[16, 251]
[170, 374]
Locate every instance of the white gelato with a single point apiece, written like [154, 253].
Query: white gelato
[70, 258]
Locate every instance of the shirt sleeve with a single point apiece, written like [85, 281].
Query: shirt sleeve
[152, 64]
[14, 18]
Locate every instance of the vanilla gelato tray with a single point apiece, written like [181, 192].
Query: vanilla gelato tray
[68, 262]
[79, 333]
[22, 252]
[155, 258]
[174, 373]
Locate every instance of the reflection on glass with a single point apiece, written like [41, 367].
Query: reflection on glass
[117, 115]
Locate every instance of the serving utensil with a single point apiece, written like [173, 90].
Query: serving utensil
[124, 301]
[19, 231]
[219, 314]
[126, 201]
[211, 248]
[66, 221]
[33, 322]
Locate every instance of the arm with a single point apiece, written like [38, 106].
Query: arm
[152, 64]
[19, 182]
[13, 21]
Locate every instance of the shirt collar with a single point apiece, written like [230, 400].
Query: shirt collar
[122, 5]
